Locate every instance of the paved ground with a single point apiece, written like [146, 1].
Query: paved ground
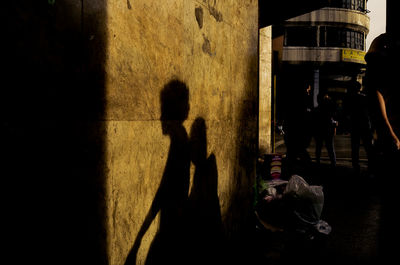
[351, 207]
[342, 148]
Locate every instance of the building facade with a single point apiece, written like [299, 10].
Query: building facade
[324, 48]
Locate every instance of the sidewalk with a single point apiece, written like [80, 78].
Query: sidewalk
[351, 207]
[342, 148]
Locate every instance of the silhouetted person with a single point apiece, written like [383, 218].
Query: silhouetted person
[360, 123]
[172, 195]
[326, 125]
[382, 83]
[204, 208]
[296, 126]
[309, 119]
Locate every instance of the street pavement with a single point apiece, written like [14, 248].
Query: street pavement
[342, 148]
[351, 207]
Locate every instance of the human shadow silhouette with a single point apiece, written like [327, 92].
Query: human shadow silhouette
[204, 215]
[190, 229]
[172, 194]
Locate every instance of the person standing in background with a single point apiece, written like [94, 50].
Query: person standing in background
[297, 125]
[326, 125]
[356, 106]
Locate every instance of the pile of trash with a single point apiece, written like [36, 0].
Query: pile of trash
[291, 205]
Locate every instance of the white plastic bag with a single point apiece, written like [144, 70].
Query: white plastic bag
[308, 199]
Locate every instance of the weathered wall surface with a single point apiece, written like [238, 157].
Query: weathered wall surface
[211, 48]
[265, 96]
[97, 123]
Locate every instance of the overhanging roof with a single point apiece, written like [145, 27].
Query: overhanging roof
[276, 11]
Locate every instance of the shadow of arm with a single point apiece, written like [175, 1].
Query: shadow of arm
[151, 215]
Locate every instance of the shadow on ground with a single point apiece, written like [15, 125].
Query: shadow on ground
[352, 207]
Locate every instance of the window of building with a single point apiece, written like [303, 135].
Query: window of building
[348, 41]
[340, 37]
[301, 36]
[349, 4]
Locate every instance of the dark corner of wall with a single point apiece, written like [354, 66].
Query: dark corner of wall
[52, 128]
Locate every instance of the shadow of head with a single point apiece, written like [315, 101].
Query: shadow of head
[174, 105]
[198, 141]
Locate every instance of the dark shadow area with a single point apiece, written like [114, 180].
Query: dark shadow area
[352, 207]
[190, 229]
[297, 121]
[272, 12]
[205, 223]
[172, 195]
[382, 84]
[52, 131]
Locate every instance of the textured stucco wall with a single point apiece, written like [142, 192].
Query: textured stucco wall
[85, 144]
[211, 47]
[265, 83]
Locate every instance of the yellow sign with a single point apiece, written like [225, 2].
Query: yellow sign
[354, 56]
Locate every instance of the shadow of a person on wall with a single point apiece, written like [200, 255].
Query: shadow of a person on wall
[204, 214]
[172, 194]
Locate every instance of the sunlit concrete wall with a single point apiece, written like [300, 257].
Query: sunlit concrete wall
[265, 83]
[83, 144]
[211, 47]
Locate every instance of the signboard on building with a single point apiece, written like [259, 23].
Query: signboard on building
[354, 56]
